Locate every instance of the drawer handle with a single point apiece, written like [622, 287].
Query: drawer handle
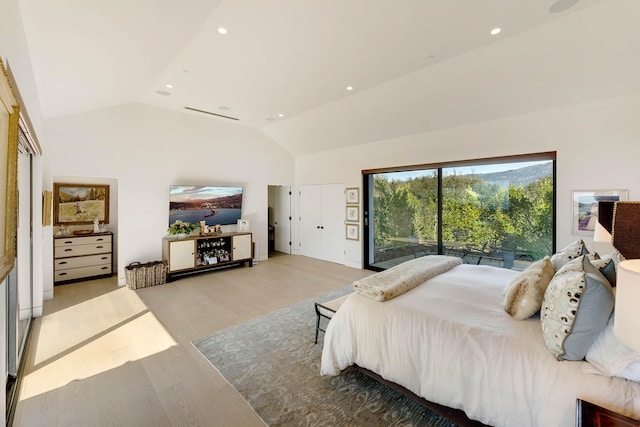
[63, 274]
[99, 239]
[105, 257]
[104, 268]
[68, 250]
[62, 262]
[99, 247]
[69, 241]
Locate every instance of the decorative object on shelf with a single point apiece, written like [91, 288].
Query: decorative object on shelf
[352, 231]
[353, 195]
[585, 208]
[96, 225]
[179, 228]
[82, 232]
[243, 225]
[78, 204]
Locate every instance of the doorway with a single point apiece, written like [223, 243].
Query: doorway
[279, 219]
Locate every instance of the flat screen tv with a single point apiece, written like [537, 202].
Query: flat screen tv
[211, 204]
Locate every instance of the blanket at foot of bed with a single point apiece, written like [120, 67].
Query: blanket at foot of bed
[403, 277]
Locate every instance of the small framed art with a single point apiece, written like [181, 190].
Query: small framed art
[584, 212]
[352, 232]
[353, 213]
[353, 196]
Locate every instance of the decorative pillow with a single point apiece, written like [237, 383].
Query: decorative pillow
[611, 358]
[571, 252]
[608, 269]
[575, 309]
[616, 257]
[523, 295]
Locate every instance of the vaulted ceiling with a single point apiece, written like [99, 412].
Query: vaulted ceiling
[284, 65]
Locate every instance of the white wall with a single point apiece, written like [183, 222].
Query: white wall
[597, 148]
[146, 149]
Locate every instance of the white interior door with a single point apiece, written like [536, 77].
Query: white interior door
[282, 218]
[310, 217]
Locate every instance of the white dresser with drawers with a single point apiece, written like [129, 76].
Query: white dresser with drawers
[82, 257]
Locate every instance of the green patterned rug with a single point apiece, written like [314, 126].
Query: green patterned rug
[273, 363]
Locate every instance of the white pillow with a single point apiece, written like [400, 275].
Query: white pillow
[611, 358]
[523, 295]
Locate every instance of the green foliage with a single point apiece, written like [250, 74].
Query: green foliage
[474, 212]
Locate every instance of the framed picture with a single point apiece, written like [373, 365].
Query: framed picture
[584, 212]
[353, 196]
[352, 232]
[9, 125]
[353, 213]
[243, 225]
[76, 204]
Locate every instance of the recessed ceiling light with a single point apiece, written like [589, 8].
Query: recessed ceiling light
[281, 115]
[222, 30]
[349, 87]
[163, 92]
[496, 31]
[169, 86]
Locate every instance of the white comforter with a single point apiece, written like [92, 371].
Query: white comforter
[449, 341]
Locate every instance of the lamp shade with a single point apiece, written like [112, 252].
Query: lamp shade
[626, 325]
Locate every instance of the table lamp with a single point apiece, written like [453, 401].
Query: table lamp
[626, 325]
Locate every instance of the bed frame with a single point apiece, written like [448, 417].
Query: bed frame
[456, 415]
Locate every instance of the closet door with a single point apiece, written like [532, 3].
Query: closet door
[321, 222]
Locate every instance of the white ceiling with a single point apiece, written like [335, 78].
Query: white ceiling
[415, 65]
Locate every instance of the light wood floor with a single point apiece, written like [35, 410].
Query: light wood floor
[110, 356]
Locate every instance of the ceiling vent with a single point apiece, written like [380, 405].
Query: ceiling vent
[210, 113]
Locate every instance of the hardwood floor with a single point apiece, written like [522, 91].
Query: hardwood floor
[103, 355]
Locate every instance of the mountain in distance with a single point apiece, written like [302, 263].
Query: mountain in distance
[518, 177]
[226, 202]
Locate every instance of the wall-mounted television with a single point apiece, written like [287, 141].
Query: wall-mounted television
[211, 204]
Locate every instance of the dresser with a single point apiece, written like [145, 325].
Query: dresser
[82, 257]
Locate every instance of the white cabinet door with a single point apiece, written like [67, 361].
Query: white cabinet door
[241, 245]
[181, 255]
[321, 222]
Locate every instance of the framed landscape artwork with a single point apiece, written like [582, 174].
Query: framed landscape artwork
[9, 128]
[76, 204]
[584, 214]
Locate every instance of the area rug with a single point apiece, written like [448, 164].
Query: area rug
[273, 363]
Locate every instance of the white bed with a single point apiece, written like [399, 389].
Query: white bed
[450, 341]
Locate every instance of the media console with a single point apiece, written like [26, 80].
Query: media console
[194, 254]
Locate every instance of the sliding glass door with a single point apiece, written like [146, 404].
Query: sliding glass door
[488, 211]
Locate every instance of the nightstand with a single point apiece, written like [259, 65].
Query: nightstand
[592, 415]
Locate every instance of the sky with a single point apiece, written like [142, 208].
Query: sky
[466, 170]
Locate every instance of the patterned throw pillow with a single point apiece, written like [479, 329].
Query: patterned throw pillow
[575, 309]
[569, 253]
[523, 295]
[607, 267]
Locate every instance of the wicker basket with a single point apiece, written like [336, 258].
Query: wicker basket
[140, 275]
